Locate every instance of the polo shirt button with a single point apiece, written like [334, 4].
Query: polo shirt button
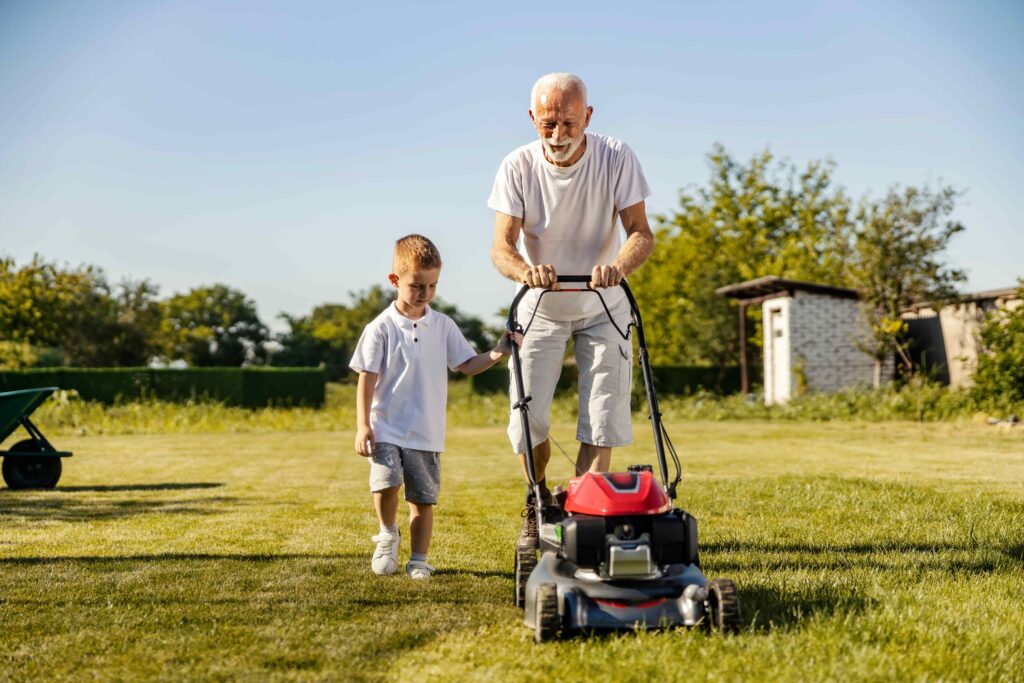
[415, 338]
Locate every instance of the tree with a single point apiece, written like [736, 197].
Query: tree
[42, 303]
[754, 219]
[328, 336]
[136, 338]
[999, 375]
[213, 326]
[897, 250]
[479, 334]
[47, 310]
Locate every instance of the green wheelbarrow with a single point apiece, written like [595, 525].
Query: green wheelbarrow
[30, 463]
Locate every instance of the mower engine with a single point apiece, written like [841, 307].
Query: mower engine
[621, 525]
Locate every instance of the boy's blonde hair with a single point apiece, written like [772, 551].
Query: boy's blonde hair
[415, 252]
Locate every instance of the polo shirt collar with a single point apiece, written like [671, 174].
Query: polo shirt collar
[405, 323]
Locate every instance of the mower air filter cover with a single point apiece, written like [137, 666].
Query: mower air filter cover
[616, 493]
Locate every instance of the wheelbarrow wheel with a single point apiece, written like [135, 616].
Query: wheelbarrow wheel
[30, 472]
[723, 606]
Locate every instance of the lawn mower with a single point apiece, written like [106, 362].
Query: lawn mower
[614, 551]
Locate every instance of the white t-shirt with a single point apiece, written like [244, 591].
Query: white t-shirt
[410, 358]
[570, 215]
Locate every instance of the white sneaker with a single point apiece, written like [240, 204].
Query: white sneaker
[385, 557]
[418, 569]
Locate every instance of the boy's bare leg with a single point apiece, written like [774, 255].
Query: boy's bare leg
[593, 458]
[541, 457]
[385, 502]
[421, 526]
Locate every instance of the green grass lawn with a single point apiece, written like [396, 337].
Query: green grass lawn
[883, 551]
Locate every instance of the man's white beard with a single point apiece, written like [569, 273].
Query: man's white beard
[560, 157]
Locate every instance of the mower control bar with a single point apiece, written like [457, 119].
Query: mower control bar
[645, 365]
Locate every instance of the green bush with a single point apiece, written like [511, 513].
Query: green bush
[917, 400]
[669, 380]
[999, 377]
[247, 387]
[496, 380]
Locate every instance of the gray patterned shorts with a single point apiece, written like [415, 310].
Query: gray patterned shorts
[420, 471]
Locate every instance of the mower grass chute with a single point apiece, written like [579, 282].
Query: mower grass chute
[614, 550]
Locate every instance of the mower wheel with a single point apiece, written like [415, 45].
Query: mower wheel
[548, 623]
[526, 562]
[723, 605]
[30, 472]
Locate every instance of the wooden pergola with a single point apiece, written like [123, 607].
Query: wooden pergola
[759, 290]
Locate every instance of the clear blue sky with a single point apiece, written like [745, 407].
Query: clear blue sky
[281, 148]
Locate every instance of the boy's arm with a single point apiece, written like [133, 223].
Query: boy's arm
[365, 440]
[480, 362]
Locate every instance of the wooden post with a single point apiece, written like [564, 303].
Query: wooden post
[744, 378]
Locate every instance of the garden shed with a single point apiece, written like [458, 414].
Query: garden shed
[945, 343]
[811, 336]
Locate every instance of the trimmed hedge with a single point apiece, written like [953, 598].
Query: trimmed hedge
[681, 380]
[495, 380]
[669, 380]
[246, 387]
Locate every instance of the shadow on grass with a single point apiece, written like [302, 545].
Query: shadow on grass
[176, 557]
[476, 574]
[1016, 552]
[139, 487]
[61, 508]
[767, 608]
[736, 556]
[291, 612]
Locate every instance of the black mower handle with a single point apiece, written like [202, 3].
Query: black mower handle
[579, 279]
[523, 400]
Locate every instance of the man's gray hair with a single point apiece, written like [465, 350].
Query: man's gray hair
[558, 81]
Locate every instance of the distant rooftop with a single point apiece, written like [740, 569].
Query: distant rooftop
[770, 285]
[1006, 293]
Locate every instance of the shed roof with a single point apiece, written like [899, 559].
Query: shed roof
[770, 285]
[1004, 294]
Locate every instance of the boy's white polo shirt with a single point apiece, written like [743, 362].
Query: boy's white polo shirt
[411, 359]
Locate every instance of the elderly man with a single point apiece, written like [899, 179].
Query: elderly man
[558, 201]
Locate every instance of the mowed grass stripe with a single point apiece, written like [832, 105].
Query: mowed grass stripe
[861, 551]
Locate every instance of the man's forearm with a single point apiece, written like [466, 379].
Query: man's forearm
[508, 261]
[636, 249]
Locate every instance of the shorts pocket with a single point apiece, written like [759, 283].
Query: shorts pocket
[625, 368]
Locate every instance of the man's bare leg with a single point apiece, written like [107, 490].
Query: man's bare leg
[541, 457]
[593, 458]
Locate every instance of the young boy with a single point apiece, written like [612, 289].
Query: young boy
[402, 358]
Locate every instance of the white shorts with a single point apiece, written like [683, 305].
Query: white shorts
[604, 361]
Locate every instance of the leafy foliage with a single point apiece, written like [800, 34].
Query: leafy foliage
[896, 252]
[330, 333]
[999, 377]
[757, 218]
[766, 217]
[40, 302]
[214, 326]
[73, 313]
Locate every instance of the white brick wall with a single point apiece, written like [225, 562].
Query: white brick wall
[818, 340]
